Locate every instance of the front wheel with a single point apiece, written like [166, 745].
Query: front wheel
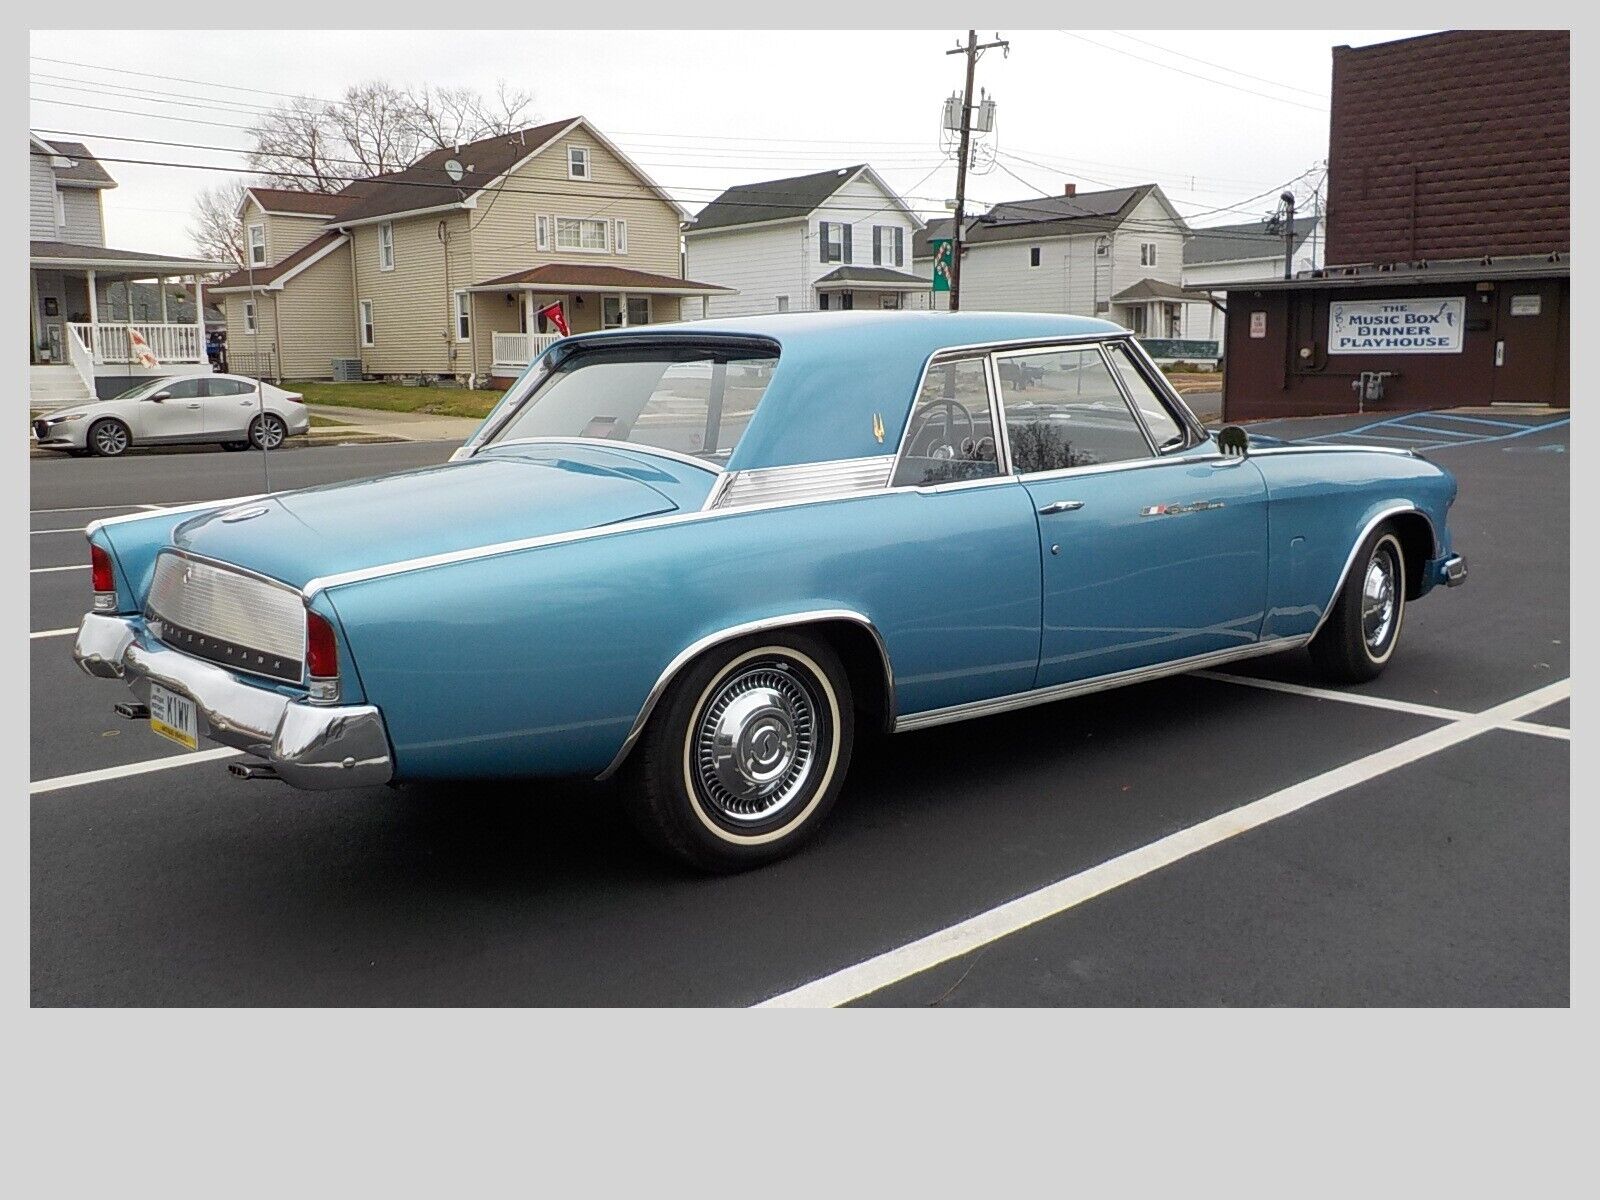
[268, 431]
[745, 754]
[1359, 637]
[109, 438]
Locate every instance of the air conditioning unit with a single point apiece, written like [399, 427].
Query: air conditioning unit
[347, 370]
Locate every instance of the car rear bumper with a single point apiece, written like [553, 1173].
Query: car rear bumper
[310, 746]
[1450, 571]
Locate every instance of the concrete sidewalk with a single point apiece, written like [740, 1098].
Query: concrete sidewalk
[410, 427]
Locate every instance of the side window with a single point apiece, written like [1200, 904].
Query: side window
[184, 389]
[1164, 429]
[950, 436]
[1063, 409]
[227, 387]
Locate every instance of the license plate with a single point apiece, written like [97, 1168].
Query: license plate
[172, 716]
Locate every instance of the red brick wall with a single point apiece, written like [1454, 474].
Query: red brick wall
[1453, 145]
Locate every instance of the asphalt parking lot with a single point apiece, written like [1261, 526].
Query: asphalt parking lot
[1237, 839]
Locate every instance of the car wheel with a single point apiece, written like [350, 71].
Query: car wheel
[745, 754]
[109, 438]
[1359, 637]
[268, 431]
[236, 445]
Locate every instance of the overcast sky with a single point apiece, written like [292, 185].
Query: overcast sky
[1221, 120]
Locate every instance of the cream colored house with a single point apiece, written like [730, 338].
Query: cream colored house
[441, 270]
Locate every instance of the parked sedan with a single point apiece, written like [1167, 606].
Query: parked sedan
[703, 556]
[224, 409]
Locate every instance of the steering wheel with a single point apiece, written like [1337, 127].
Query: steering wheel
[942, 443]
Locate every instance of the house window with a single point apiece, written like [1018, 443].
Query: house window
[622, 237]
[249, 316]
[258, 245]
[880, 236]
[833, 238]
[577, 162]
[611, 311]
[783, 304]
[1147, 254]
[580, 233]
[386, 246]
[542, 227]
[61, 209]
[367, 331]
[463, 317]
[1035, 255]
[889, 300]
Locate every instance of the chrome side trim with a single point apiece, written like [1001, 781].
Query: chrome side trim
[1083, 687]
[804, 481]
[606, 444]
[92, 526]
[1366, 531]
[766, 624]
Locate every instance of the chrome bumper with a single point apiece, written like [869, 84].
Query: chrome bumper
[310, 746]
[1453, 571]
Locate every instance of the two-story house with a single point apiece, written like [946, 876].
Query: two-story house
[85, 297]
[1116, 254]
[834, 239]
[1218, 255]
[443, 269]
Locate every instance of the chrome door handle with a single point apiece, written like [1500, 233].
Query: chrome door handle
[1060, 506]
[194, 406]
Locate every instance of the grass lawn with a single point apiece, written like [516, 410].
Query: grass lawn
[391, 397]
[327, 422]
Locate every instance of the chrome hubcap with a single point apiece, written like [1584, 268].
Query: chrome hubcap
[1378, 600]
[755, 743]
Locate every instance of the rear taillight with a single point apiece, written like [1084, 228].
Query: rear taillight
[322, 659]
[294, 397]
[104, 582]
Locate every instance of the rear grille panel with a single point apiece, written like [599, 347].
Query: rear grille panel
[228, 617]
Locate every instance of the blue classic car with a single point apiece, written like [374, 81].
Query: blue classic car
[705, 555]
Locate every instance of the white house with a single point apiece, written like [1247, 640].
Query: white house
[86, 300]
[833, 240]
[1222, 254]
[1116, 254]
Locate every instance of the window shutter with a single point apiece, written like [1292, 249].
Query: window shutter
[822, 240]
[877, 245]
[899, 246]
[849, 255]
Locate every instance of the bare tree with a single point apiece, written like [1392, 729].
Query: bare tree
[378, 123]
[215, 229]
[448, 117]
[299, 146]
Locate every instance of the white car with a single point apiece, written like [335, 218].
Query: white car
[161, 412]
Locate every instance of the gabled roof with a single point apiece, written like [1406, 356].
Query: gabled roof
[83, 169]
[75, 254]
[1154, 289]
[871, 276]
[274, 277]
[788, 199]
[1230, 243]
[424, 186]
[1053, 216]
[587, 277]
[287, 202]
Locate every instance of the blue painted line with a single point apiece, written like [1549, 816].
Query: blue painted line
[1449, 416]
[1381, 437]
[1454, 433]
[1534, 429]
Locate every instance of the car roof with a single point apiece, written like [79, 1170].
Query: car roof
[844, 376]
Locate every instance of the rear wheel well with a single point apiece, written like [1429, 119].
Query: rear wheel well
[1415, 532]
[866, 663]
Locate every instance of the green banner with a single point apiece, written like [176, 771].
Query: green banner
[1179, 348]
[941, 264]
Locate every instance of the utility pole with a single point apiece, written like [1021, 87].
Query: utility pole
[972, 50]
[1287, 200]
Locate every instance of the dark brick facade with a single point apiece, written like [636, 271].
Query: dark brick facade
[1453, 145]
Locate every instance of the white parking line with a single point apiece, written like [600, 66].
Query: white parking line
[1366, 701]
[864, 978]
[38, 532]
[139, 768]
[45, 633]
[49, 570]
[82, 508]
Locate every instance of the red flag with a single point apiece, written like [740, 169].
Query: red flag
[552, 313]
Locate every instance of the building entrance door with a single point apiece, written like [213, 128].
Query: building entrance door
[1528, 343]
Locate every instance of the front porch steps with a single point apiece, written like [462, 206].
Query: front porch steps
[52, 385]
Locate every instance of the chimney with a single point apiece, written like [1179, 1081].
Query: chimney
[1070, 189]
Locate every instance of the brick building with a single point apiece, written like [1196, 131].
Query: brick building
[1448, 227]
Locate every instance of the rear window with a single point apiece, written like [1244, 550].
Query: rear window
[694, 400]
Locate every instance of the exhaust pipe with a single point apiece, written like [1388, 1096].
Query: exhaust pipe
[131, 709]
[252, 771]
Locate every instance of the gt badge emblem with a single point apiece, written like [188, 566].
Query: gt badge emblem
[877, 427]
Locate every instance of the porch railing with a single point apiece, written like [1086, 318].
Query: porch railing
[108, 341]
[519, 349]
[79, 355]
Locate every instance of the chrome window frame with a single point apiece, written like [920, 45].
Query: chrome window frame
[1111, 370]
[1002, 444]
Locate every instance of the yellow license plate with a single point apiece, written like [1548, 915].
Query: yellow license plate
[173, 717]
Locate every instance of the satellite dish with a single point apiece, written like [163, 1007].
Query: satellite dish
[455, 170]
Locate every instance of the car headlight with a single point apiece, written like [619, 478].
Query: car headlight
[72, 416]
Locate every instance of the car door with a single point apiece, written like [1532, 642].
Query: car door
[173, 412]
[229, 406]
[1153, 548]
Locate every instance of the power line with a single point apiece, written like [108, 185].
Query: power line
[1191, 74]
[1217, 66]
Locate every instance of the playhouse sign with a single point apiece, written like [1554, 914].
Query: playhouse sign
[1396, 326]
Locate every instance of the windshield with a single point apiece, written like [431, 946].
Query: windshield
[695, 400]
